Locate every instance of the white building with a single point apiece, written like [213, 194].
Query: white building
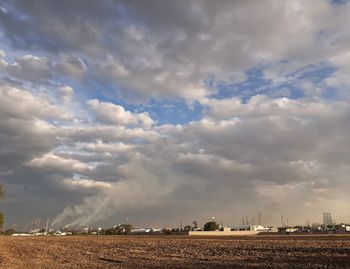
[259, 228]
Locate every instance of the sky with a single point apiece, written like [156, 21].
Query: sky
[160, 112]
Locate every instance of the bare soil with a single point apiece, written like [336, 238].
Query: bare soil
[175, 252]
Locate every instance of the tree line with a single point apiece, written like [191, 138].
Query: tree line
[2, 195]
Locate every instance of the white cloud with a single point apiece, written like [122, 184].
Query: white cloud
[86, 183]
[116, 114]
[53, 162]
[67, 93]
[103, 147]
[30, 68]
[19, 103]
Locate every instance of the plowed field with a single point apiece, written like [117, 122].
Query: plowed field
[175, 252]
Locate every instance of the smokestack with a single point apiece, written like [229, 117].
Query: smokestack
[47, 225]
[327, 219]
[259, 218]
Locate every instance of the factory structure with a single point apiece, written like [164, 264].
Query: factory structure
[237, 231]
[329, 226]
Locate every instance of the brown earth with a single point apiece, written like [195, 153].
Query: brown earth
[175, 252]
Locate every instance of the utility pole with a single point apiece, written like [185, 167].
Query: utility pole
[259, 215]
[282, 222]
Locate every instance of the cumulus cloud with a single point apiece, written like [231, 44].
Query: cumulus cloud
[235, 156]
[196, 41]
[53, 162]
[86, 183]
[71, 66]
[103, 147]
[19, 103]
[264, 84]
[263, 148]
[66, 93]
[116, 114]
[29, 68]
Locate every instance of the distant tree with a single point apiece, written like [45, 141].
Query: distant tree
[187, 228]
[211, 226]
[126, 228]
[2, 195]
[109, 231]
[1, 220]
[123, 229]
[9, 231]
[166, 231]
[119, 229]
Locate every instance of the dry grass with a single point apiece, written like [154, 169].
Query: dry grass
[175, 252]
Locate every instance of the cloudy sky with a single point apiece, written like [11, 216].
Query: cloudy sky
[167, 111]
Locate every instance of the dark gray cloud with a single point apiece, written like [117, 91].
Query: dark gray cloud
[158, 49]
